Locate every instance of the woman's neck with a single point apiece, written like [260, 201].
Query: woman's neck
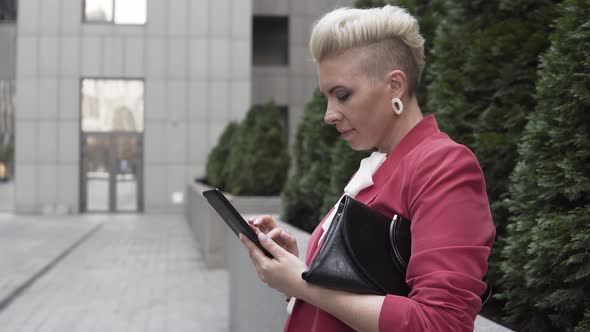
[410, 117]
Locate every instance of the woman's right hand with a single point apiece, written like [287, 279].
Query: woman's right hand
[268, 226]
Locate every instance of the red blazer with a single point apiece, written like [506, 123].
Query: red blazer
[438, 185]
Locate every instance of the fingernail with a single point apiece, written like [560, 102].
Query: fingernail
[257, 221]
[286, 236]
[261, 237]
[240, 236]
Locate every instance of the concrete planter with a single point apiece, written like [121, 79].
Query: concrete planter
[270, 308]
[248, 296]
[208, 228]
[222, 249]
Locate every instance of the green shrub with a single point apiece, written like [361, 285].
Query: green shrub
[302, 200]
[448, 97]
[547, 261]
[502, 88]
[217, 159]
[7, 153]
[314, 138]
[304, 193]
[258, 162]
[369, 3]
[485, 70]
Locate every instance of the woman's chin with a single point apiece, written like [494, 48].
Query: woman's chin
[358, 147]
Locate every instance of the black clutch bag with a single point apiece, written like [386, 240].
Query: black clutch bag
[363, 252]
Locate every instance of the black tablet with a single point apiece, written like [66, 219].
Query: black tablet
[232, 217]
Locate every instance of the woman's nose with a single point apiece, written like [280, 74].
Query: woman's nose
[331, 115]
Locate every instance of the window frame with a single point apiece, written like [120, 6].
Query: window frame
[287, 40]
[15, 19]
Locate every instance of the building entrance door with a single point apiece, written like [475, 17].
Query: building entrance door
[112, 175]
[111, 147]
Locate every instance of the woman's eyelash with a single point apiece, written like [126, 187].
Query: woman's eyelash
[343, 97]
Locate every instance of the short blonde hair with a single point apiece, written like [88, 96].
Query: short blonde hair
[389, 37]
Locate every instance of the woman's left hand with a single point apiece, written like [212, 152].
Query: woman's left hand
[282, 273]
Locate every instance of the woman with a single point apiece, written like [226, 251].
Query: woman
[369, 63]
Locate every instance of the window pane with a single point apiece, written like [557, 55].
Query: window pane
[130, 11]
[97, 165]
[98, 10]
[7, 10]
[270, 41]
[112, 105]
[127, 172]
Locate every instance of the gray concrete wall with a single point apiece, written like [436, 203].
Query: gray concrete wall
[194, 57]
[253, 306]
[254, 205]
[208, 228]
[7, 51]
[195, 60]
[7, 94]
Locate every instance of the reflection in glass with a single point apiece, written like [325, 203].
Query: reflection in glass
[127, 172]
[130, 12]
[270, 42]
[97, 172]
[123, 120]
[112, 105]
[8, 10]
[7, 172]
[124, 11]
[7, 95]
[99, 10]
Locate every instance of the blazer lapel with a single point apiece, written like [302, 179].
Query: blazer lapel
[424, 129]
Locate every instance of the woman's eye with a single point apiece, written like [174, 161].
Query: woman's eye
[343, 96]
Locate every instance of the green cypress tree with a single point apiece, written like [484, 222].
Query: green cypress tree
[504, 89]
[304, 193]
[258, 162]
[501, 66]
[448, 97]
[428, 13]
[547, 261]
[311, 188]
[314, 138]
[217, 158]
[365, 4]
[486, 57]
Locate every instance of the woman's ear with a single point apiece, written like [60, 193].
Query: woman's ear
[398, 83]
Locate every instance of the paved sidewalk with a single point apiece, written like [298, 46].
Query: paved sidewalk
[134, 273]
[6, 196]
[30, 244]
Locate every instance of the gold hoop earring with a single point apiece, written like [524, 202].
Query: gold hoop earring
[397, 106]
